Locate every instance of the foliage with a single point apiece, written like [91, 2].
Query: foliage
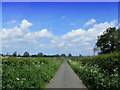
[14, 54]
[80, 55]
[28, 72]
[63, 55]
[19, 55]
[40, 54]
[69, 55]
[109, 41]
[98, 72]
[26, 54]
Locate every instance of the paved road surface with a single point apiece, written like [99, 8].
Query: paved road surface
[65, 78]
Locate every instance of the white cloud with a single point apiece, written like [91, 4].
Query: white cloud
[13, 32]
[23, 37]
[87, 39]
[90, 22]
[13, 21]
[42, 45]
[74, 33]
[23, 32]
[25, 24]
[76, 39]
[85, 43]
[43, 33]
[16, 32]
[61, 44]
[52, 41]
[69, 45]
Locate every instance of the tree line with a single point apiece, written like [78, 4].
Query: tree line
[26, 54]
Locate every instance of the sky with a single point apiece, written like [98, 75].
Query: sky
[55, 27]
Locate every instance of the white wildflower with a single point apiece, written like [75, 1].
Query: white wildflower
[42, 63]
[23, 78]
[17, 78]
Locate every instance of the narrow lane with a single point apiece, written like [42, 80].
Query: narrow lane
[65, 78]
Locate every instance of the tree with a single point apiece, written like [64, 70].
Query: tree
[63, 55]
[19, 55]
[69, 55]
[40, 55]
[108, 42]
[80, 55]
[14, 54]
[26, 54]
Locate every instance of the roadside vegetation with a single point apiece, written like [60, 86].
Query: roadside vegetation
[98, 72]
[28, 72]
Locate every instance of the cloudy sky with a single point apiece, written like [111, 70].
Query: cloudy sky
[54, 28]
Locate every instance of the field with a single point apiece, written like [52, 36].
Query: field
[98, 72]
[28, 72]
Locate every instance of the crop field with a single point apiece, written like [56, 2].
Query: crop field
[28, 72]
[98, 72]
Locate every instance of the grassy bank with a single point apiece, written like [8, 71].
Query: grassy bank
[98, 72]
[28, 72]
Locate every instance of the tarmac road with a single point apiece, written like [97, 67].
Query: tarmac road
[65, 78]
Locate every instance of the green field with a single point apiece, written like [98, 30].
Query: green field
[28, 72]
[98, 72]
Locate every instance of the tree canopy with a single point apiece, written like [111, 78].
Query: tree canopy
[40, 54]
[26, 54]
[109, 41]
[69, 55]
[63, 55]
